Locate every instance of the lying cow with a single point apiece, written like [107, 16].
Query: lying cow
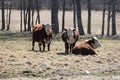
[42, 34]
[70, 37]
[87, 47]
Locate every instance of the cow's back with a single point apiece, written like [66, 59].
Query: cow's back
[83, 48]
[38, 32]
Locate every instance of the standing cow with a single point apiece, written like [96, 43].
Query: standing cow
[70, 37]
[42, 34]
[87, 47]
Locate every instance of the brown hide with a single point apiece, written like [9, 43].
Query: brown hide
[38, 27]
[84, 48]
[39, 35]
[65, 37]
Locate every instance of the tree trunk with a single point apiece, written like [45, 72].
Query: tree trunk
[3, 15]
[79, 19]
[54, 16]
[7, 13]
[32, 23]
[29, 15]
[63, 16]
[89, 17]
[74, 14]
[108, 23]
[38, 15]
[103, 19]
[25, 29]
[113, 18]
[9, 17]
[21, 16]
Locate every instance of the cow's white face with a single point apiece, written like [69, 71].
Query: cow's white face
[70, 35]
[96, 43]
[47, 28]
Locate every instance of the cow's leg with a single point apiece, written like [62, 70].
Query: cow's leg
[92, 52]
[71, 47]
[33, 43]
[48, 46]
[43, 45]
[39, 44]
[66, 48]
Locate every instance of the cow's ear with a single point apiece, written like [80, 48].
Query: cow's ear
[65, 29]
[43, 25]
[52, 26]
[74, 29]
[93, 39]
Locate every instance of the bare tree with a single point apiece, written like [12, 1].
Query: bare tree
[113, 17]
[3, 15]
[32, 22]
[24, 15]
[38, 15]
[103, 19]
[21, 16]
[8, 17]
[74, 13]
[79, 18]
[109, 16]
[63, 16]
[89, 17]
[54, 15]
[29, 14]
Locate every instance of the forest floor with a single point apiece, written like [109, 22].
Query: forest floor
[19, 62]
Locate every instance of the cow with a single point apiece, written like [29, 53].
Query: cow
[87, 47]
[70, 37]
[42, 34]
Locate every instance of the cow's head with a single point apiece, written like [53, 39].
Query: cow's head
[96, 43]
[47, 28]
[70, 35]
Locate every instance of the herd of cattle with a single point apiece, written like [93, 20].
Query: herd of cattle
[43, 34]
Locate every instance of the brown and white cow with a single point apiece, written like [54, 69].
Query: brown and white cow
[70, 37]
[42, 34]
[87, 47]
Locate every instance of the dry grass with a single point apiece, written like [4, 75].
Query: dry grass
[18, 62]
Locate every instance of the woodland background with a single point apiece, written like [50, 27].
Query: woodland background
[28, 8]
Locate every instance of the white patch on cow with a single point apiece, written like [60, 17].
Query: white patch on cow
[96, 43]
[47, 41]
[69, 32]
[47, 28]
[71, 40]
[70, 35]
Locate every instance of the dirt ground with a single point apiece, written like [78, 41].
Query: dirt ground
[18, 62]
